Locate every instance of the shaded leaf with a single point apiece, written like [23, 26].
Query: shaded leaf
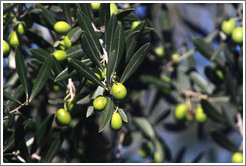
[53, 149]
[21, 70]
[157, 82]
[86, 8]
[104, 14]
[84, 100]
[223, 141]
[144, 125]
[130, 17]
[42, 77]
[9, 97]
[123, 13]
[135, 62]
[109, 34]
[131, 43]
[123, 115]
[118, 46]
[75, 51]
[46, 15]
[159, 155]
[212, 112]
[17, 95]
[107, 115]
[86, 72]
[40, 53]
[67, 12]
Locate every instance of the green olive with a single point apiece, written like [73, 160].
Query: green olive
[176, 57]
[6, 49]
[237, 35]
[228, 26]
[63, 117]
[119, 91]
[159, 51]
[98, 74]
[237, 157]
[180, 112]
[61, 27]
[56, 88]
[99, 103]
[95, 6]
[116, 122]
[60, 55]
[113, 9]
[14, 39]
[145, 150]
[200, 116]
[21, 28]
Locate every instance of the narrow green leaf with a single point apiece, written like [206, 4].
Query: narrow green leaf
[75, 51]
[46, 14]
[17, 95]
[123, 13]
[56, 101]
[212, 112]
[131, 43]
[86, 8]
[40, 53]
[9, 97]
[159, 155]
[104, 14]
[91, 49]
[74, 34]
[135, 62]
[107, 115]
[86, 72]
[200, 82]
[130, 17]
[146, 128]
[42, 77]
[123, 115]
[223, 141]
[119, 46]
[84, 100]
[44, 128]
[5, 160]
[90, 111]
[53, 149]
[109, 34]
[140, 27]
[21, 70]
[67, 12]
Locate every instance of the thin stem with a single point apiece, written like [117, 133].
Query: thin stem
[122, 136]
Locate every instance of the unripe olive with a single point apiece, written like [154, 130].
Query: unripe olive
[228, 26]
[6, 49]
[60, 55]
[95, 6]
[220, 74]
[135, 24]
[21, 28]
[67, 42]
[13, 39]
[113, 9]
[99, 103]
[200, 116]
[116, 122]
[145, 150]
[237, 35]
[56, 88]
[159, 51]
[176, 57]
[237, 157]
[63, 117]
[180, 112]
[61, 27]
[119, 91]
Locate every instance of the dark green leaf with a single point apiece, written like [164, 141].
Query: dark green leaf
[131, 43]
[139, 28]
[21, 70]
[5, 160]
[146, 128]
[123, 115]
[9, 97]
[107, 115]
[91, 49]
[74, 34]
[135, 62]
[84, 100]
[86, 8]
[75, 51]
[119, 46]
[46, 14]
[53, 149]
[86, 72]
[130, 17]
[42, 77]
[17, 95]
[104, 14]
[8, 8]
[212, 112]
[40, 53]
[123, 13]
[109, 34]
[90, 111]
[67, 12]
[223, 141]
[44, 128]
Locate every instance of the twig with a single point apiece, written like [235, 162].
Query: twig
[122, 136]
[17, 109]
[240, 124]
